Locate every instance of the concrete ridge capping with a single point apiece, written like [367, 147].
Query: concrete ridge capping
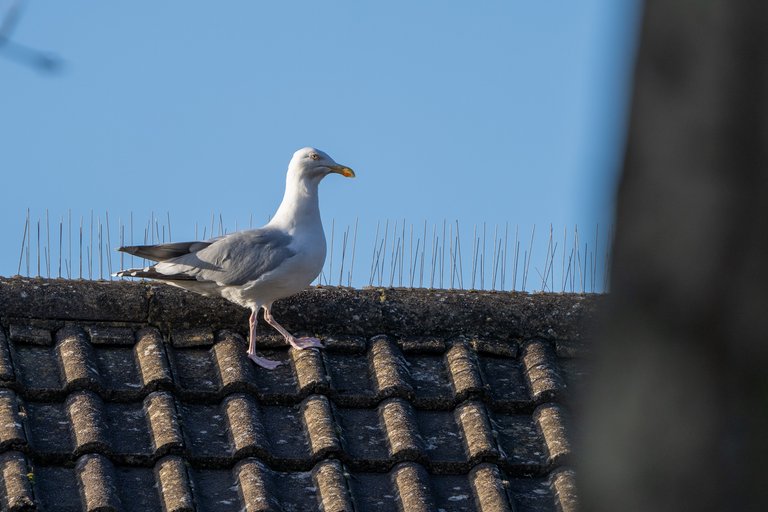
[321, 310]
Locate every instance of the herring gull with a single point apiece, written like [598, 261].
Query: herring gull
[255, 267]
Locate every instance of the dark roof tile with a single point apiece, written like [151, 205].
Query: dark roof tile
[15, 489]
[6, 366]
[174, 485]
[489, 488]
[137, 488]
[118, 372]
[401, 430]
[414, 491]
[310, 371]
[320, 427]
[295, 490]
[256, 486]
[12, 434]
[56, 488]
[129, 432]
[551, 422]
[543, 378]
[76, 362]
[194, 372]
[431, 381]
[504, 382]
[521, 444]
[195, 337]
[278, 385]
[563, 485]
[152, 360]
[453, 493]
[164, 428]
[30, 334]
[476, 429]
[49, 430]
[574, 373]
[98, 486]
[246, 426]
[572, 348]
[288, 439]
[422, 344]
[213, 489]
[109, 335]
[86, 417]
[332, 491]
[344, 343]
[363, 438]
[532, 495]
[268, 339]
[442, 439]
[390, 373]
[372, 492]
[494, 347]
[463, 370]
[350, 378]
[233, 367]
[37, 370]
[205, 433]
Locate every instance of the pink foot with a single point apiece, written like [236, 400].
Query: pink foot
[269, 364]
[302, 343]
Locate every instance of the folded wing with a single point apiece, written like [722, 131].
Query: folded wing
[231, 260]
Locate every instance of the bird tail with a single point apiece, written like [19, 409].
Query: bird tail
[152, 273]
[163, 252]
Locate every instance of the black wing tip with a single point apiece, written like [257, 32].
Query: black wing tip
[164, 252]
[130, 249]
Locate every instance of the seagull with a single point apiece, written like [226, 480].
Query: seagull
[255, 267]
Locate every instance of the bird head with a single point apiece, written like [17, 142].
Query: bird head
[313, 164]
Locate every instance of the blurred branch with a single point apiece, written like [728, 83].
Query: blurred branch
[42, 61]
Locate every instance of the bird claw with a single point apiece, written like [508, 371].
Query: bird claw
[269, 364]
[307, 342]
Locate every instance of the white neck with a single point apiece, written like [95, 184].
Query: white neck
[300, 205]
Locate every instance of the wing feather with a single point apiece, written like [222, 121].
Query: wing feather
[233, 259]
[164, 252]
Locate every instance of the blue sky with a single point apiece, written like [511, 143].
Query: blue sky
[503, 113]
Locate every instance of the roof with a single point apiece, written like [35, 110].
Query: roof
[137, 396]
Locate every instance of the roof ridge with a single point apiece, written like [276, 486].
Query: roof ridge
[328, 310]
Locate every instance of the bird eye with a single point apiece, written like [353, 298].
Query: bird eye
[314, 156]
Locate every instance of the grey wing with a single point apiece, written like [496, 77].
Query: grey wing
[164, 252]
[233, 259]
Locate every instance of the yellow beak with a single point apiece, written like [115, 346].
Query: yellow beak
[344, 171]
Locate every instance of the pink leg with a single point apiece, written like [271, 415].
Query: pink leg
[298, 343]
[269, 364]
